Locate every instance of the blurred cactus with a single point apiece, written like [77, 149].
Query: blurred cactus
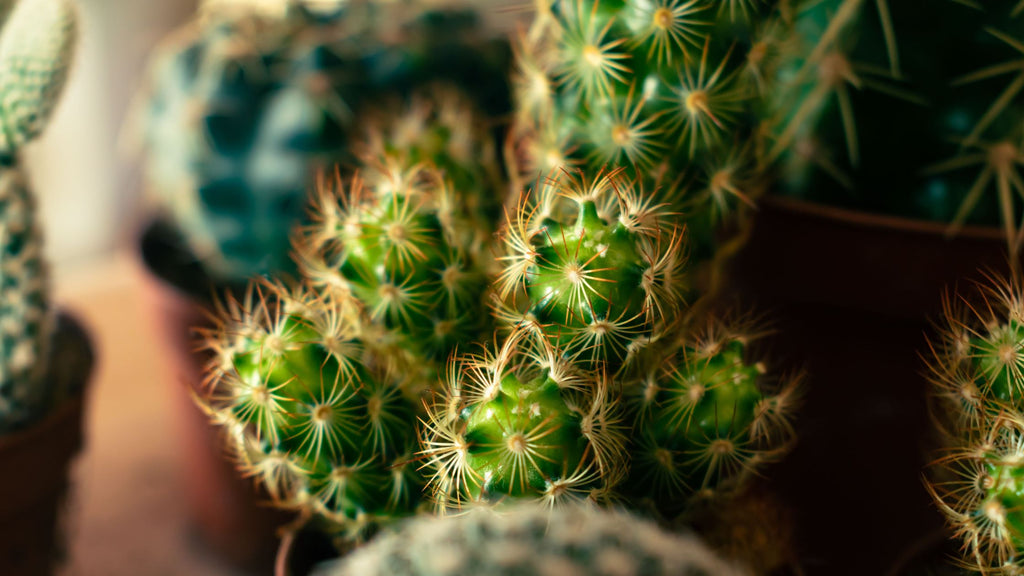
[245, 107]
[708, 416]
[910, 108]
[665, 88]
[570, 541]
[521, 422]
[313, 410]
[595, 265]
[37, 42]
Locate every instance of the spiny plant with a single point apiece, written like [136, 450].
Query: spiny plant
[910, 108]
[573, 541]
[245, 106]
[312, 409]
[37, 40]
[521, 422]
[595, 265]
[707, 416]
[406, 237]
[665, 88]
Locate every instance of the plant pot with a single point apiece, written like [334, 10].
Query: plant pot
[231, 515]
[851, 295]
[36, 461]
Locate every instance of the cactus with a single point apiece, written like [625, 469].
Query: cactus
[313, 410]
[36, 47]
[664, 88]
[245, 107]
[531, 540]
[595, 265]
[910, 108]
[523, 423]
[407, 237]
[708, 416]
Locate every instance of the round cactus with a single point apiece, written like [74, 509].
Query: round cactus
[313, 411]
[596, 266]
[520, 422]
[407, 242]
[246, 106]
[572, 541]
[664, 88]
[707, 417]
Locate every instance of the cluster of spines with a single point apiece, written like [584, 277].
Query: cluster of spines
[529, 539]
[521, 422]
[707, 416]
[664, 88]
[596, 265]
[977, 371]
[37, 40]
[312, 410]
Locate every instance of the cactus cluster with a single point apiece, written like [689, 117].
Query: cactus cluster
[37, 40]
[575, 540]
[665, 88]
[245, 106]
[910, 108]
[976, 370]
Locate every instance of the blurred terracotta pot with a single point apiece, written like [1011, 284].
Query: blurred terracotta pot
[851, 295]
[36, 462]
[231, 514]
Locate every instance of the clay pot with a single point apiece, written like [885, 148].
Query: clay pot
[36, 461]
[232, 515]
[851, 295]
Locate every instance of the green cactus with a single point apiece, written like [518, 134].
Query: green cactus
[406, 239]
[910, 108]
[523, 423]
[595, 265]
[665, 88]
[245, 107]
[707, 417]
[313, 410]
[36, 48]
[573, 541]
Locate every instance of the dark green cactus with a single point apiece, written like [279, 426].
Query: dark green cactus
[664, 88]
[910, 108]
[523, 423]
[570, 541]
[596, 265]
[707, 417]
[313, 410]
[244, 108]
[37, 42]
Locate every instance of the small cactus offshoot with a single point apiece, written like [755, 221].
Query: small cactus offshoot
[708, 416]
[573, 541]
[521, 422]
[313, 413]
[595, 265]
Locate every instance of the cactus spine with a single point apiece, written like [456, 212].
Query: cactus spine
[37, 41]
[573, 541]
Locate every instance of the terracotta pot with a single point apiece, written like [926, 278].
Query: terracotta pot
[232, 516]
[851, 295]
[36, 462]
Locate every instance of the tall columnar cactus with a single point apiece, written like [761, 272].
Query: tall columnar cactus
[707, 417]
[37, 42]
[532, 540]
[976, 369]
[910, 108]
[596, 265]
[521, 422]
[246, 106]
[663, 87]
[407, 237]
[313, 410]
